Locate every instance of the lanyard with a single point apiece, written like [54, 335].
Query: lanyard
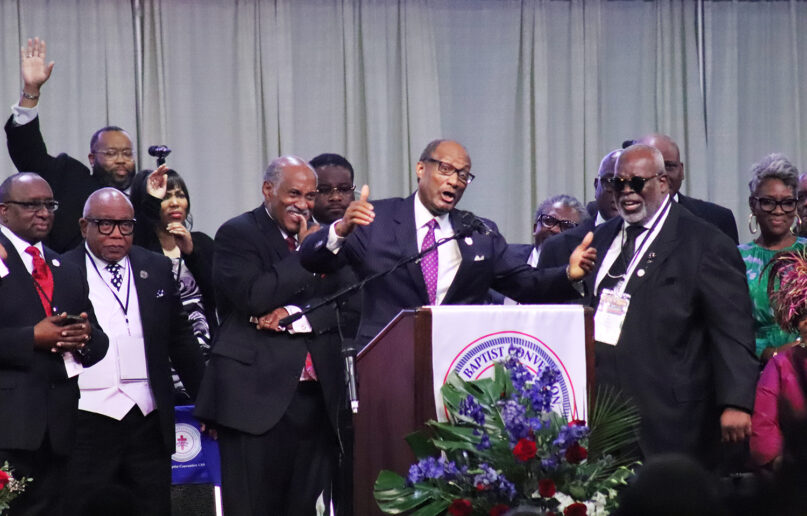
[645, 244]
[123, 307]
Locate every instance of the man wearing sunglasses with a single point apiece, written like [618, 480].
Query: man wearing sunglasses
[721, 217]
[126, 412]
[673, 324]
[111, 157]
[373, 237]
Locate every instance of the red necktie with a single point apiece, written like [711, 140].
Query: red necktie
[308, 369]
[43, 278]
[292, 243]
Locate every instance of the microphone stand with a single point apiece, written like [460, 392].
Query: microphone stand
[350, 351]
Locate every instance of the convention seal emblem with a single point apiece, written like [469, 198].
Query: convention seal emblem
[477, 359]
[189, 442]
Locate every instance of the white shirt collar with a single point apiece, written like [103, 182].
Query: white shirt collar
[101, 263]
[19, 244]
[423, 216]
[282, 232]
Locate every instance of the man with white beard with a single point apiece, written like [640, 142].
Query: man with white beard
[673, 326]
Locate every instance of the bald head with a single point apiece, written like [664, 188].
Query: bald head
[672, 158]
[107, 224]
[643, 186]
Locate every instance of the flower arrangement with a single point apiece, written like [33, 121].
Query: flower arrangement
[504, 447]
[10, 487]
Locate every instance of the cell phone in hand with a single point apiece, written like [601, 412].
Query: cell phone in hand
[70, 319]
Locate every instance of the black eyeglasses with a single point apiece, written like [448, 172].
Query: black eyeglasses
[446, 169]
[342, 190]
[636, 183]
[107, 226]
[550, 222]
[767, 204]
[35, 206]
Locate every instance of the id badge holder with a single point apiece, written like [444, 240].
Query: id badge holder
[131, 359]
[610, 315]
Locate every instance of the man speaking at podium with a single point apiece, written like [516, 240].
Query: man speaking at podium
[375, 237]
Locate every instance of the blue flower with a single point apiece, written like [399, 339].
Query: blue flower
[570, 434]
[432, 469]
[469, 407]
[515, 420]
[484, 443]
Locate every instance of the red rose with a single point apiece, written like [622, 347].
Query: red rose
[525, 449]
[481, 487]
[461, 507]
[575, 454]
[499, 509]
[546, 488]
[4, 478]
[576, 509]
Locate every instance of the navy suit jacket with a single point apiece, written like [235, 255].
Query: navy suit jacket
[167, 333]
[686, 350]
[253, 374]
[71, 181]
[392, 236]
[35, 394]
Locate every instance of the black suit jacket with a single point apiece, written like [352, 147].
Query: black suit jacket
[555, 250]
[486, 263]
[35, 394]
[70, 180]
[717, 215]
[252, 374]
[167, 334]
[686, 350]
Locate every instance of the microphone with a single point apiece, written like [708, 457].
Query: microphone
[473, 223]
[349, 353]
[160, 152]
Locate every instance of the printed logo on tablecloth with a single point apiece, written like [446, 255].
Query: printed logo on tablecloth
[477, 360]
[188, 442]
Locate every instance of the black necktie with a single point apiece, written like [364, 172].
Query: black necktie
[620, 265]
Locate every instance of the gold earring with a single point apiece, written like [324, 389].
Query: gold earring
[753, 229]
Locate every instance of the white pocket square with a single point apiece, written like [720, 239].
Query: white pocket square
[479, 258]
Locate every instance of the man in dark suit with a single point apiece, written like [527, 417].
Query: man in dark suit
[126, 413]
[374, 237]
[557, 249]
[41, 351]
[111, 154]
[673, 324]
[717, 215]
[273, 392]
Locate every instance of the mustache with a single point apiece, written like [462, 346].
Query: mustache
[297, 211]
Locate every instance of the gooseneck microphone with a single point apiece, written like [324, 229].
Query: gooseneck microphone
[160, 152]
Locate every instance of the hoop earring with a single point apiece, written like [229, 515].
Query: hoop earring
[753, 229]
[796, 226]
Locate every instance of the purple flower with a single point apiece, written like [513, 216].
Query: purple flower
[432, 469]
[515, 420]
[570, 434]
[484, 442]
[469, 407]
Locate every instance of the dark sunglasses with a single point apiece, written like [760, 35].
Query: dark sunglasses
[550, 222]
[636, 183]
[767, 204]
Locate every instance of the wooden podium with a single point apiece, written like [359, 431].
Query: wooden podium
[396, 397]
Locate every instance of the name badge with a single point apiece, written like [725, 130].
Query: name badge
[610, 315]
[131, 359]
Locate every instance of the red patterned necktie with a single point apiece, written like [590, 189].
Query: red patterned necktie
[291, 243]
[43, 278]
[428, 264]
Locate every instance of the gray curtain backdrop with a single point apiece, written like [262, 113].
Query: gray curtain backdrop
[538, 90]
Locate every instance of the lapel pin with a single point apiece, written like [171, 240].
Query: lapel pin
[160, 293]
[651, 255]
[144, 274]
[640, 272]
[55, 262]
[469, 241]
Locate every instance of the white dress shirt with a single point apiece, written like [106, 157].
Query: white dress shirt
[104, 389]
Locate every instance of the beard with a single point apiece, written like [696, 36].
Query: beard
[108, 178]
[633, 218]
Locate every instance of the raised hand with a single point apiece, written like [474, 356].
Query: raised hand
[583, 258]
[157, 183]
[35, 70]
[358, 213]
